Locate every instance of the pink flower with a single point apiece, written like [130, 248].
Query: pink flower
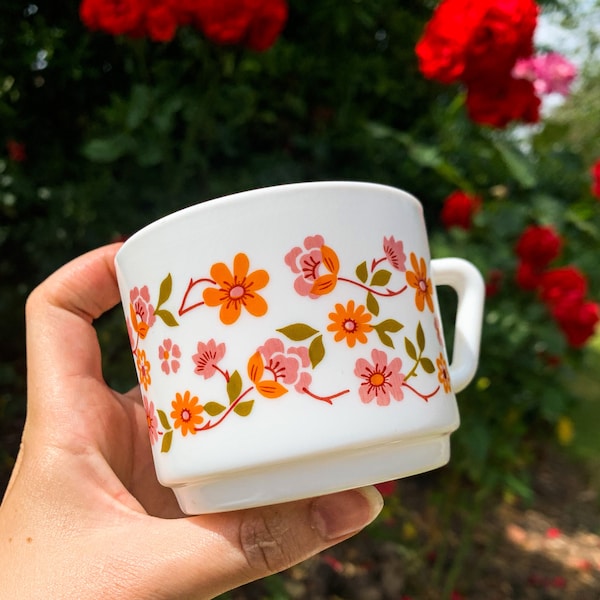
[380, 379]
[151, 419]
[549, 73]
[287, 364]
[394, 252]
[168, 353]
[307, 263]
[208, 357]
[141, 311]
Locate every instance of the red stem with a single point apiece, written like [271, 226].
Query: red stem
[191, 285]
[374, 263]
[224, 373]
[328, 399]
[212, 424]
[424, 396]
[389, 293]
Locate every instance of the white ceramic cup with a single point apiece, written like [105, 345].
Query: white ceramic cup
[288, 343]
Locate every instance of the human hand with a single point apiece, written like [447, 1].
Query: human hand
[84, 516]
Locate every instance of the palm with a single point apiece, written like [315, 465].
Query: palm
[127, 450]
[82, 416]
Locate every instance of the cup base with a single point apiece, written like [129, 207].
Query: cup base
[313, 476]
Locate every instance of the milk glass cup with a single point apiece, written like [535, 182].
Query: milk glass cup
[288, 343]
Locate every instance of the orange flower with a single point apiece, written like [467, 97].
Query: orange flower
[350, 323]
[417, 278]
[443, 374]
[237, 290]
[143, 369]
[269, 388]
[187, 413]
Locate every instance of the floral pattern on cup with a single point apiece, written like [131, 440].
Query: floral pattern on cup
[287, 360]
[229, 289]
[168, 354]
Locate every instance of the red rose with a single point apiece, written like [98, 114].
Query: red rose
[16, 151]
[539, 246]
[595, 170]
[387, 488]
[499, 101]
[528, 277]
[561, 284]
[161, 21]
[266, 25]
[466, 39]
[459, 208]
[577, 319]
[441, 49]
[225, 21]
[116, 17]
[503, 34]
[255, 23]
[493, 282]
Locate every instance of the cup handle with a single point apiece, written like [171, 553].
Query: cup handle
[468, 284]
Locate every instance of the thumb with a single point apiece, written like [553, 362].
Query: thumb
[204, 556]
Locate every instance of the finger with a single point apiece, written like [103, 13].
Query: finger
[60, 338]
[201, 557]
[67, 397]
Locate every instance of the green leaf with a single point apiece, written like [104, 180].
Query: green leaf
[298, 331]
[390, 325]
[420, 337]
[316, 351]
[372, 304]
[166, 286]
[164, 420]
[410, 349]
[427, 365]
[381, 277]
[517, 165]
[384, 337]
[166, 441]
[107, 150]
[167, 317]
[234, 386]
[362, 272]
[139, 106]
[214, 408]
[244, 408]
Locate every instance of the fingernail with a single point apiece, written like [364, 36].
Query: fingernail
[342, 514]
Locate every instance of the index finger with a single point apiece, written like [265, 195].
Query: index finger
[61, 341]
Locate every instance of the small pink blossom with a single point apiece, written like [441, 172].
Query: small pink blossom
[140, 299]
[168, 353]
[208, 357]
[380, 379]
[394, 252]
[307, 262]
[549, 73]
[151, 419]
[287, 364]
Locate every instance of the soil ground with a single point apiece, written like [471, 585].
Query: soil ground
[546, 549]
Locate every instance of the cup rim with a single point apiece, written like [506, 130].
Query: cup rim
[245, 194]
